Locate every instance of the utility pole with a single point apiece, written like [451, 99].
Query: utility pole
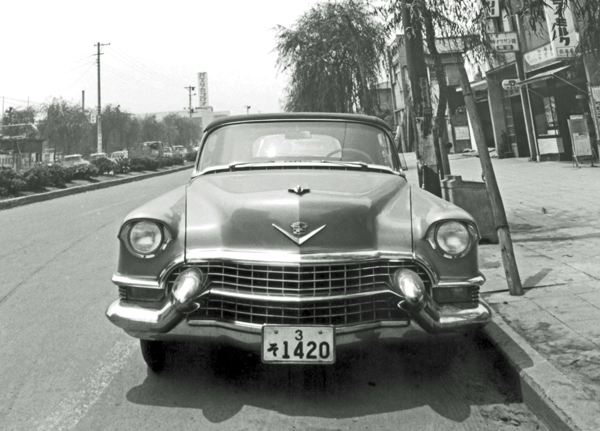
[83, 100]
[248, 109]
[190, 89]
[99, 120]
[511, 271]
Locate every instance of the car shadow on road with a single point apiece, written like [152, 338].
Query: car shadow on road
[221, 380]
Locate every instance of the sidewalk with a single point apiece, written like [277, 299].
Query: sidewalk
[552, 333]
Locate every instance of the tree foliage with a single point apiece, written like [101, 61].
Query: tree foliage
[68, 130]
[333, 54]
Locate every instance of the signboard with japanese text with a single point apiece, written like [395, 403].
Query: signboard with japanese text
[505, 42]
[508, 84]
[561, 27]
[203, 89]
[493, 8]
[563, 36]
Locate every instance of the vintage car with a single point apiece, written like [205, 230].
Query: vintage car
[179, 150]
[74, 160]
[297, 234]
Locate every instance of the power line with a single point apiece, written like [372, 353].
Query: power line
[147, 68]
[78, 79]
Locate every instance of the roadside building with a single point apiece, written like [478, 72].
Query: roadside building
[538, 96]
[456, 118]
[21, 146]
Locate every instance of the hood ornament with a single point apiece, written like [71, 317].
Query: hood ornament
[298, 230]
[299, 190]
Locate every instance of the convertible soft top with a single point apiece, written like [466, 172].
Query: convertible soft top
[297, 116]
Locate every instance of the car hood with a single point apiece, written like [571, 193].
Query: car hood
[247, 211]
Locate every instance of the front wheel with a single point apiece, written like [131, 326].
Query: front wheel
[154, 354]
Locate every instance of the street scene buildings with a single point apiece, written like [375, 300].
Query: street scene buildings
[536, 100]
[70, 175]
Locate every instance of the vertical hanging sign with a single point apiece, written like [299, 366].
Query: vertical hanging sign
[203, 89]
[493, 8]
[561, 28]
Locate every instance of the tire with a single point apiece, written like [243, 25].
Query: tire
[154, 354]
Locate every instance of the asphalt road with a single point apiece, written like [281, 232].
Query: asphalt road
[63, 366]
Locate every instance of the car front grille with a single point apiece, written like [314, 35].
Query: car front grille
[241, 292]
[339, 312]
[319, 280]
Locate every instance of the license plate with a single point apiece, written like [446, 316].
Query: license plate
[298, 344]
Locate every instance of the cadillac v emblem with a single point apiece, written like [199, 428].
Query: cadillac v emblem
[299, 230]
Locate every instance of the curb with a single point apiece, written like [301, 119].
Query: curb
[550, 395]
[45, 196]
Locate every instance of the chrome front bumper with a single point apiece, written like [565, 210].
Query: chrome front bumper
[166, 322]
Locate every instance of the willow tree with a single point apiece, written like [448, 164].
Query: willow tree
[333, 54]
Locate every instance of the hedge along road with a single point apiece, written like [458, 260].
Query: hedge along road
[54, 194]
[64, 366]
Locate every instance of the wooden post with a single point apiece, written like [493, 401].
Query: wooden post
[506, 248]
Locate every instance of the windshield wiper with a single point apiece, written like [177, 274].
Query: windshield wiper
[355, 164]
[234, 165]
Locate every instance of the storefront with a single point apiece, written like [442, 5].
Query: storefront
[557, 97]
[507, 115]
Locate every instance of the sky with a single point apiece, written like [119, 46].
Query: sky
[156, 50]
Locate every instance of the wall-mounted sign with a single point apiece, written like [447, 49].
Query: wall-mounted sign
[493, 8]
[509, 84]
[505, 42]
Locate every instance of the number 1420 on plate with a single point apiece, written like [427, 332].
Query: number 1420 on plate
[298, 344]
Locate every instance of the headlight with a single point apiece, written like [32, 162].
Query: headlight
[452, 238]
[145, 238]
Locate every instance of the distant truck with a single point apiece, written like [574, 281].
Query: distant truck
[148, 149]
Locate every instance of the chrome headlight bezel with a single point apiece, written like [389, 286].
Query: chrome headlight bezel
[434, 238]
[159, 228]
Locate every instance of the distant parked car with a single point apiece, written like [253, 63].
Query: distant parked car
[97, 156]
[147, 149]
[74, 160]
[168, 152]
[120, 155]
[180, 150]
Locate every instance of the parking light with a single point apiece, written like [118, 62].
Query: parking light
[189, 285]
[410, 286]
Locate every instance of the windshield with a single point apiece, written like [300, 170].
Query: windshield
[295, 141]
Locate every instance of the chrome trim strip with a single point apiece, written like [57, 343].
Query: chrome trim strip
[266, 298]
[167, 269]
[475, 281]
[144, 282]
[275, 257]
[257, 329]
[147, 282]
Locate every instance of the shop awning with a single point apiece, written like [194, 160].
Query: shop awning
[476, 86]
[544, 75]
